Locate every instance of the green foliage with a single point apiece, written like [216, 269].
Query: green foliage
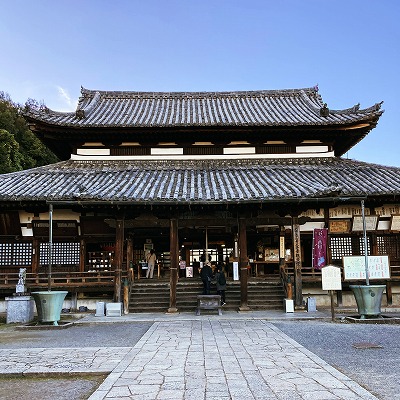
[10, 157]
[20, 148]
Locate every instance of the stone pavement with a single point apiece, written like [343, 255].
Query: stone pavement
[61, 360]
[233, 356]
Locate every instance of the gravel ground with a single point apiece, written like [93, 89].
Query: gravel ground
[377, 368]
[96, 335]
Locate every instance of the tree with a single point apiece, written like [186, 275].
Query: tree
[20, 148]
[10, 157]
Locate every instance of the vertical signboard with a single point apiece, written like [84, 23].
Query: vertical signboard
[235, 271]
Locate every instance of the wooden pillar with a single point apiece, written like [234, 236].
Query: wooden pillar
[243, 262]
[82, 256]
[282, 248]
[282, 264]
[328, 244]
[298, 285]
[118, 258]
[82, 268]
[129, 253]
[339, 298]
[389, 293]
[174, 254]
[35, 255]
[74, 301]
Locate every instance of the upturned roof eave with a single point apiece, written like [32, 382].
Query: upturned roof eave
[287, 107]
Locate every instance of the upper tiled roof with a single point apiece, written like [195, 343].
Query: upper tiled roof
[205, 181]
[295, 107]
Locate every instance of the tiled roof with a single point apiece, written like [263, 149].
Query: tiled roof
[200, 181]
[295, 107]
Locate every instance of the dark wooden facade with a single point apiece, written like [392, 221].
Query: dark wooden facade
[238, 174]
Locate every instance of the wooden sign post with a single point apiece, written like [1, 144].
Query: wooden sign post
[331, 280]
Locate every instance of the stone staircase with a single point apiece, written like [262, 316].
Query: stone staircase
[149, 296]
[153, 296]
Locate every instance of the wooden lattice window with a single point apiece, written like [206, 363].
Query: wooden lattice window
[15, 254]
[63, 253]
[342, 246]
[6, 254]
[361, 246]
[199, 150]
[389, 245]
[130, 151]
[22, 254]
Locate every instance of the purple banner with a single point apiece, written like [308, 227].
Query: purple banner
[320, 239]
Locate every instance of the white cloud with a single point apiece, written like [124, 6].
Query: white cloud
[67, 103]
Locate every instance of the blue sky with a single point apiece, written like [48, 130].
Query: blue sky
[350, 48]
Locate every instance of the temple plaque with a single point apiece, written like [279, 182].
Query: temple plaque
[395, 223]
[339, 226]
[371, 222]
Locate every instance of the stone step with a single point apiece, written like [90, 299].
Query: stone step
[154, 296]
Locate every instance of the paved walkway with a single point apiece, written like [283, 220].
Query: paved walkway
[235, 356]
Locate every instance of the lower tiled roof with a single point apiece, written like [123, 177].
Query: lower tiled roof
[198, 181]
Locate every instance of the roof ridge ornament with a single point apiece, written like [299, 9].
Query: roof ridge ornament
[324, 111]
[84, 111]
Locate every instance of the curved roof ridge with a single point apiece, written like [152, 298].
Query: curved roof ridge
[227, 93]
[356, 109]
[37, 112]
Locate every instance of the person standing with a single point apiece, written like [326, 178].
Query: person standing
[221, 284]
[206, 276]
[151, 259]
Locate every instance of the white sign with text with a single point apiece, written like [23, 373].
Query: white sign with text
[354, 267]
[331, 278]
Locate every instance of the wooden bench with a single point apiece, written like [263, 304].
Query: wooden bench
[209, 302]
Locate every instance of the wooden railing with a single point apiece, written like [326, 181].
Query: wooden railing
[286, 280]
[61, 280]
[307, 273]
